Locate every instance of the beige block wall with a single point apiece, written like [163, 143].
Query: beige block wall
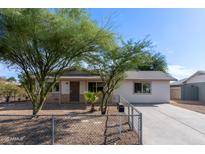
[53, 98]
[65, 98]
[82, 99]
[175, 92]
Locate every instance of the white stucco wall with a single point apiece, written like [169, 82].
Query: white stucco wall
[65, 87]
[160, 92]
[196, 79]
[83, 87]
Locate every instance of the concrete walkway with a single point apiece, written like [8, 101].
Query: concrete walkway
[168, 124]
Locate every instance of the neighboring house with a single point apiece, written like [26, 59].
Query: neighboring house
[175, 90]
[192, 88]
[138, 87]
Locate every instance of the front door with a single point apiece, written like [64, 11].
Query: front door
[74, 91]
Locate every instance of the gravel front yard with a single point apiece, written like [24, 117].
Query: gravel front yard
[77, 127]
[190, 105]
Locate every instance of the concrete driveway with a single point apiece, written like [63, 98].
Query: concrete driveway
[168, 124]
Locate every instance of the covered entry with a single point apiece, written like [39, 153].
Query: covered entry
[74, 91]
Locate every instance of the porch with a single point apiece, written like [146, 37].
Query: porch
[72, 91]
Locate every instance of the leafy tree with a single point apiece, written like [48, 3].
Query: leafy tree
[41, 43]
[11, 79]
[9, 90]
[21, 93]
[111, 66]
[153, 62]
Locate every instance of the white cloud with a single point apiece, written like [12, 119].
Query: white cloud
[180, 72]
[167, 50]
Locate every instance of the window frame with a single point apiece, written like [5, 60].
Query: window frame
[96, 83]
[142, 90]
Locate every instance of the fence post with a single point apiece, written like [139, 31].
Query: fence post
[132, 117]
[53, 130]
[120, 124]
[129, 115]
[140, 127]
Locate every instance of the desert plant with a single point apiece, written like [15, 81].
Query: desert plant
[91, 98]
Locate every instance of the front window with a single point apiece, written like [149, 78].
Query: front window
[142, 87]
[146, 88]
[99, 86]
[92, 86]
[138, 87]
[56, 87]
[95, 86]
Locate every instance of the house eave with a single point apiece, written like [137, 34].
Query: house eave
[144, 79]
[80, 77]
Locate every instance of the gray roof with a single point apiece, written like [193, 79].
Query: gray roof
[178, 83]
[197, 73]
[149, 75]
[183, 81]
[78, 73]
[130, 75]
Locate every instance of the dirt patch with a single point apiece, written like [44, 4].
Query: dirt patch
[24, 130]
[77, 127]
[190, 105]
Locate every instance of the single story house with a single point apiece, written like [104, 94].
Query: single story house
[138, 87]
[192, 88]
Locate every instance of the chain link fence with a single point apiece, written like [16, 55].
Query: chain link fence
[73, 129]
[134, 117]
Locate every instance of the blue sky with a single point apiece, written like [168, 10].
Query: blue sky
[179, 34]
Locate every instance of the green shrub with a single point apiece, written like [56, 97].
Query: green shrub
[91, 98]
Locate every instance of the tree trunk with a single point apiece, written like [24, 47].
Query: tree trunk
[105, 105]
[37, 106]
[103, 111]
[35, 111]
[105, 102]
[92, 107]
[7, 98]
[102, 105]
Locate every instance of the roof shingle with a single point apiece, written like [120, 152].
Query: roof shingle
[149, 75]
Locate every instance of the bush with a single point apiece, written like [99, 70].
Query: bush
[91, 98]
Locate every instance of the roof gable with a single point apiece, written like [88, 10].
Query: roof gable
[198, 73]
